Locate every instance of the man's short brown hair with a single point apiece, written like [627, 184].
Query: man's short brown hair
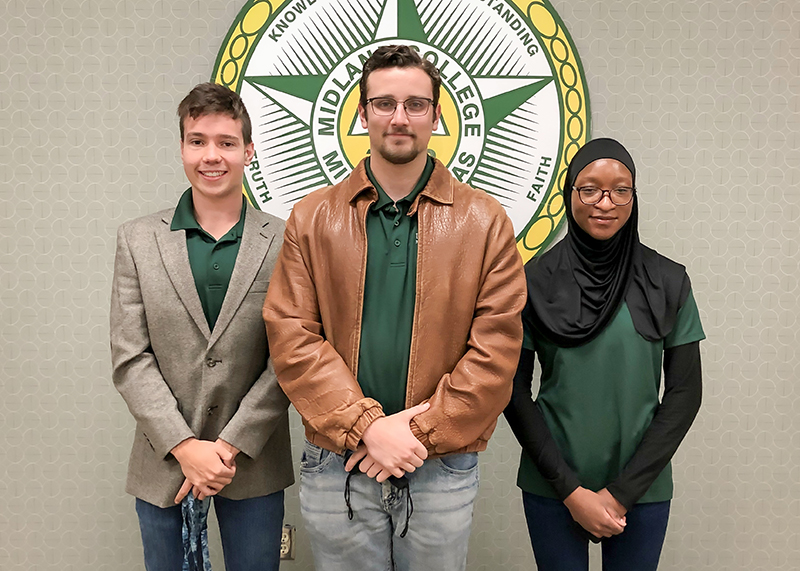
[398, 56]
[214, 99]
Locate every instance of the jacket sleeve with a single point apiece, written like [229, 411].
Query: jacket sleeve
[467, 401]
[260, 412]
[683, 387]
[528, 424]
[313, 375]
[135, 369]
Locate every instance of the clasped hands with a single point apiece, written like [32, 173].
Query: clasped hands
[598, 513]
[208, 466]
[388, 447]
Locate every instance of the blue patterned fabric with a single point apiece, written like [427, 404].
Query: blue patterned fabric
[195, 533]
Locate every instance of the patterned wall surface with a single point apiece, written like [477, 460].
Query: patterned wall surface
[707, 96]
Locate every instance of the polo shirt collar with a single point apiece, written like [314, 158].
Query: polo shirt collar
[384, 200]
[439, 187]
[184, 219]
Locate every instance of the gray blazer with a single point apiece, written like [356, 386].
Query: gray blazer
[181, 380]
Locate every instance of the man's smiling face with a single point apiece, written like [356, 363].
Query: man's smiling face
[214, 154]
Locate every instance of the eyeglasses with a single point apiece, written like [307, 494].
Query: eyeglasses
[590, 195]
[414, 106]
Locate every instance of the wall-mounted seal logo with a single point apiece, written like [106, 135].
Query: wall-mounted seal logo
[514, 100]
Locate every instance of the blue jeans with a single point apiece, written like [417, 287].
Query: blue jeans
[442, 491]
[250, 531]
[559, 545]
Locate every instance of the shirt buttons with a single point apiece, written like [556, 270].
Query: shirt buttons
[397, 242]
[215, 266]
[397, 223]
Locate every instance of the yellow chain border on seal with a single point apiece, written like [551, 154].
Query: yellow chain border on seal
[237, 47]
[256, 14]
[239, 44]
[573, 98]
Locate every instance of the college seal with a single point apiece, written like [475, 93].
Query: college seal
[515, 105]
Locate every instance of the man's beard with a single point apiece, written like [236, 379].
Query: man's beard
[399, 156]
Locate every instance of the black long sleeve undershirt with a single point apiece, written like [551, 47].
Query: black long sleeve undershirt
[683, 388]
[528, 425]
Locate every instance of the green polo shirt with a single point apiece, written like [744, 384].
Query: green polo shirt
[598, 399]
[389, 296]
[211, 260]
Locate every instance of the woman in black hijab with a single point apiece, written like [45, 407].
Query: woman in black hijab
[603, 311]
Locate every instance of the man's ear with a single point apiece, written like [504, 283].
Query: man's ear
[249, 153]
[437, 113]
[362, 113]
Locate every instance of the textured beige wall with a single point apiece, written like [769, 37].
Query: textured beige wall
[705, 94]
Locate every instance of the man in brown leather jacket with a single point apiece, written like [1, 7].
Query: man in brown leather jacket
[393, 316]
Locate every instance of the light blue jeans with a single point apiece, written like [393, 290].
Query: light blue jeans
[443, 491]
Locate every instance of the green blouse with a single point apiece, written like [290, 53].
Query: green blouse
[598, 400]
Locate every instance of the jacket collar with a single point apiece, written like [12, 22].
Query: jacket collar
[438, 189]
[257, 238]
[175, 257]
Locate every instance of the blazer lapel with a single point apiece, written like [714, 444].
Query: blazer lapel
[256, 241]
[175, 257]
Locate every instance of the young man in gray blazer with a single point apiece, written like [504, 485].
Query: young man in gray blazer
[190, 355]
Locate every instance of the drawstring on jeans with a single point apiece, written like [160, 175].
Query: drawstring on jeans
[402, 484]
[347, 494]
[399, 483]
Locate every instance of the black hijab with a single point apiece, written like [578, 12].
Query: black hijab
[575, 289]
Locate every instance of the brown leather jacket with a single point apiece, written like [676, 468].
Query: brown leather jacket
[467, 330]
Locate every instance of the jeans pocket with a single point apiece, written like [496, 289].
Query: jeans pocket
[459, 463]
[314, 458]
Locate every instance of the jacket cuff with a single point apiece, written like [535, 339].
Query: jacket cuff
[164, 443]
[250, 443]
[370, 415]
[423, 437]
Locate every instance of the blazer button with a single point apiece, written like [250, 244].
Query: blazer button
[210, 362]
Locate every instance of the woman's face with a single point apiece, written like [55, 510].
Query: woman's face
[604, 219]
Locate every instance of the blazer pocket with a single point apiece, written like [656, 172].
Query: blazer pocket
[259, 286]
[148, 441]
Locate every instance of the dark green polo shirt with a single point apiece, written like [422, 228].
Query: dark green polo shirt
[389, 296]
[598, 399]
[211, 260]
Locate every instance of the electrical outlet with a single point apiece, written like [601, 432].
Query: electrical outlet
[287, 542]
